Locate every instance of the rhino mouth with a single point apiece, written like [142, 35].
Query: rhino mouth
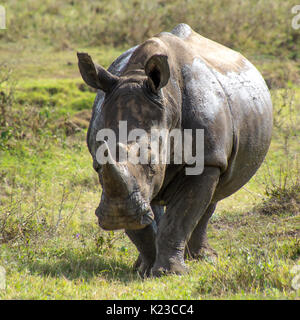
[132, 214]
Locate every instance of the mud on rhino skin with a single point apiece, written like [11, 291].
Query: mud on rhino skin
[182, 80]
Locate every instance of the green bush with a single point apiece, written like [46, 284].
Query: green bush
[260, 27]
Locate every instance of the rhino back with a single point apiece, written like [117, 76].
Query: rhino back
[228, 97]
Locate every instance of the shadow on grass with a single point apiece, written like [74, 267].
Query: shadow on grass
[84, 266]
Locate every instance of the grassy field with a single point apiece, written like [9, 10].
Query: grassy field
[50, 244]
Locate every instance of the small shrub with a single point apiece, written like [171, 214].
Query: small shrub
[7, 93]
[25, 219]
[281, 201]
[252, 272]
[282, 182]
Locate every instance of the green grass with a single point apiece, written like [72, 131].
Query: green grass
[52, 247]
[45, 62]
[56, 92]
[255, 259]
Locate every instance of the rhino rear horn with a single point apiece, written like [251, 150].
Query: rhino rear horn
[95, 75]
[158, 71]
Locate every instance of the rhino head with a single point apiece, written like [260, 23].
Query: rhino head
[136, 97]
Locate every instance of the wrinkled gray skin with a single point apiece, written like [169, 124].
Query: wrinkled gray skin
[177, 80]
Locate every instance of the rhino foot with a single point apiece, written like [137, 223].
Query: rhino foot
[142, 268]
[203, 253]
[173, 267]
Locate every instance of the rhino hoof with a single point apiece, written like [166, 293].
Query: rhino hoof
[142, 268]
[174, 268]
[204, 253]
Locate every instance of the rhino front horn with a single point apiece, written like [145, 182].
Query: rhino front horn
[114, 176]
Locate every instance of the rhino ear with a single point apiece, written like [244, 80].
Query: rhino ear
[158, 71]
[94, 75]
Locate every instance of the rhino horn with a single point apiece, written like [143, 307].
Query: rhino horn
[114, 174]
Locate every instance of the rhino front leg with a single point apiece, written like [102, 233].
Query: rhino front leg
[198, 247]
[144, 240]
[183, 213]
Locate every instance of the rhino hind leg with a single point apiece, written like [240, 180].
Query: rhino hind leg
[144, 240]
[198, 247]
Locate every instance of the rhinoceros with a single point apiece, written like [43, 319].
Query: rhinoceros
[182, 80]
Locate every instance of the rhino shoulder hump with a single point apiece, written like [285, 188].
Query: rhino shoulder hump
[182, 31]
